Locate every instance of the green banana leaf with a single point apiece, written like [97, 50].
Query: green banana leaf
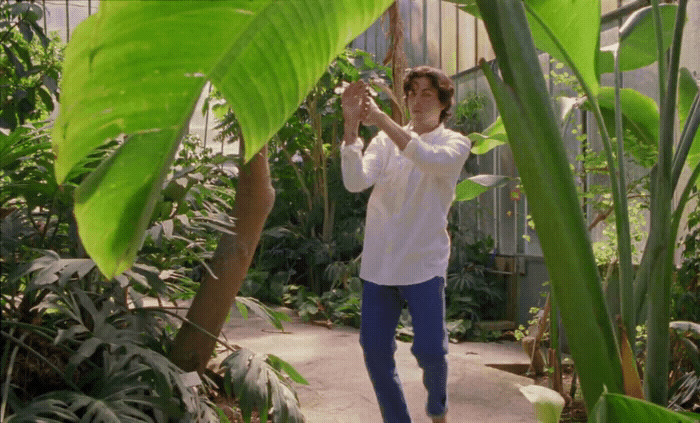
[613, 408]
[473, 187]
[492, 137]
[135, 70]
[687, 90]
[533, 133]
[640, 113]
[576, 24]
[638, 40]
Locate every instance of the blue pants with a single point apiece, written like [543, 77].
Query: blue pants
[381, 309]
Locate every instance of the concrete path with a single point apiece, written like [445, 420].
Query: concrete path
[340, 390]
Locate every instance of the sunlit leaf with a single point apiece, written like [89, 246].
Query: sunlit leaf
[280, 364]
[275, 318]
[492, 137]
[640, 116]
[136, 69]
[471, 188]
[576, 25]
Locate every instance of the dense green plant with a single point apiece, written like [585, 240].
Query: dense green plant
[468, 114]
[685, 291]
[336, 306]
[472, 292]
[95, 360]
[258, 381]
[29, 68]
[189, 216]
[303, 240]
[75, 346]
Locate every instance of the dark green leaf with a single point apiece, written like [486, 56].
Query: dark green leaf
[46, 99]
[19, 68]
[26, 31]
[280, 364]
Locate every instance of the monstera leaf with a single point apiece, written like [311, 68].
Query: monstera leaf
[134, 71]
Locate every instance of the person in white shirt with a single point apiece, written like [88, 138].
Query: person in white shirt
[413, 171]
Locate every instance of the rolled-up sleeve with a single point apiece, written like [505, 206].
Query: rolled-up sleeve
[444, 159]
[360, 171]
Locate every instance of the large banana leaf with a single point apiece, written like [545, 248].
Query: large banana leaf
[576, 26]
[619, 408]
[574, 23]
[637, 44]
[538, 150]
[640, 113]
[687, 90]
[137, 69]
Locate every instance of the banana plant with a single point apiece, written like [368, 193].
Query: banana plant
[134, 71]
[538, 150]
[569, 31]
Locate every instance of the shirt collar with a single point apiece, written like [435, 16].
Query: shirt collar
[428, 135]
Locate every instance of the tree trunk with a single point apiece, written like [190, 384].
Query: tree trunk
[397, 57]
[210, 307]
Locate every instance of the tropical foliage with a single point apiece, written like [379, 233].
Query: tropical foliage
[150, 230]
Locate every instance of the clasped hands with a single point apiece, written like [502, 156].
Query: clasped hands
[359, 106]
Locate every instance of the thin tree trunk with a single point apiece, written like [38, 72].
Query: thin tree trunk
[397, 57]
[210, 307]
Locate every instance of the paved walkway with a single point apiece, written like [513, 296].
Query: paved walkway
[340, 390]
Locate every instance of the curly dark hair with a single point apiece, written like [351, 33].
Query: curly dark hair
[440, 81]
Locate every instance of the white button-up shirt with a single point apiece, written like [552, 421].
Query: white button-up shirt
[406, 240]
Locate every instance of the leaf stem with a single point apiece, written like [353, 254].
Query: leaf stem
[687, 137]
[661, 242]
[622, 225]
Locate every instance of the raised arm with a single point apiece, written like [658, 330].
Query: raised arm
[444, 159]
[359, 170]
